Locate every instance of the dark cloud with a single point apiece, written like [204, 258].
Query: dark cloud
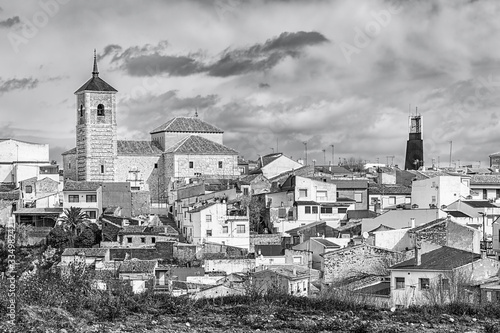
[17, 84]
[264, 85]
[151, 60]
[10, 22]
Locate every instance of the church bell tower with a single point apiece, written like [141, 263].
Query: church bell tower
[96, 147]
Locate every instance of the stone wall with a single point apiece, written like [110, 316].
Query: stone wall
[161, 251]
[141, 203]
[143, 167]
[205, 165]
[185, 253]
[168, 139]
[358, 261]
[69, 166]
[263, 239]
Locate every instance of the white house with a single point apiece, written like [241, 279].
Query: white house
[438, 275]
[20, 160]
[211, 223]
[440, 190]
[84, 195]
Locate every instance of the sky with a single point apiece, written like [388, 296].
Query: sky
[275, 75]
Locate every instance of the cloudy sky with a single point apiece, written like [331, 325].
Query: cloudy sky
[272, 74]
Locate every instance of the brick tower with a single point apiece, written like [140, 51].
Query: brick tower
[96, 146]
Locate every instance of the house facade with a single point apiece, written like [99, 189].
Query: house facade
[84, 195]
[439, 190]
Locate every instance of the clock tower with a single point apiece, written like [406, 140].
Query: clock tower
[415, 145]
[96, 146]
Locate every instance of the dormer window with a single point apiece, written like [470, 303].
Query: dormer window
[100, 110]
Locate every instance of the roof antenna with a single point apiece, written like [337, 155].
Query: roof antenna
[196, 112]
[95, 72]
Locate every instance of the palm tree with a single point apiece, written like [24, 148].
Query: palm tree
[74, 219]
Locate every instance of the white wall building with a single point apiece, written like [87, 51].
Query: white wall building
[439, 190]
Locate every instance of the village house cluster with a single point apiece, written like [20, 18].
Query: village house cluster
[184, 214]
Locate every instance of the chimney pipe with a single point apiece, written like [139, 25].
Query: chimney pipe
[412, 220]
[294, 271]
[418, 254]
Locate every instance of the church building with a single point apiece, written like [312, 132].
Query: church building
[181, 148]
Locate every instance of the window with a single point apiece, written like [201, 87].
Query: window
[100, 110]
[342, 210]
[135, 188]
[209, 233]
[321, 195]
[225, 229]
[307, 209]
[191, 165]
[129, 239]
[102, 168]
[28, 189]
[392, 201]
[358, 197]
[92, 214]
[73, 198]
[91, 198]
[302, 193]
[208, 218]
[315, 209]
[220, 164]
[81, 110]
[424, 283]
[156, 165]
[445, 284]
[297, 260]
[400, 283]
[326, 210]
[485, 194]
[143, 239]
[153, 240]
[245, 191]
[497, 195]
[240, 229]
[69, 165]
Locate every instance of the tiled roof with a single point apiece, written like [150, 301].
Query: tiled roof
[429, 225]
[456, 213]
[187, 124]
[350, 184]
[444, 258]
[141, 148]
[495, 154]
[480, 204]
[199, 209]
[89, 252]
[137, 266]
[302, 203]
[70, 152]
[197, 145]
[265, 160]
[96, 84]
[485, 179]
[375, 188]
[38, 211]
[71, 185]
[326, 242]
[10, 195]
[287, 271]
[303, 227]
[480, 171]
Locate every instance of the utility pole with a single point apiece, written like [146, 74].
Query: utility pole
[451, 145]
[333, 149]
[305, 145]
[324, 156]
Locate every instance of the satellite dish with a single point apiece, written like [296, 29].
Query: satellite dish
[365, 235]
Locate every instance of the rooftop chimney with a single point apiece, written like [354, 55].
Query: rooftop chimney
[418, 254]
[412, 222]
[294, 271]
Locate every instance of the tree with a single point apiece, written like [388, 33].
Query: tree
[58, 237]
[85, 239]
[73, 220]
[257, 212]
